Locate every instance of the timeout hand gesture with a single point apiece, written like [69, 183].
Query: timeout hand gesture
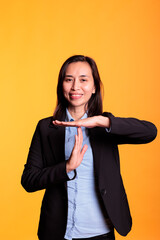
[90, 122]
[78, 152]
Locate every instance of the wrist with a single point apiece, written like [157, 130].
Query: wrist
[68, 169]
[104, 122]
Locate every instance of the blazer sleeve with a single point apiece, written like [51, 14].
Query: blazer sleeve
[131, 130]
[36, 175]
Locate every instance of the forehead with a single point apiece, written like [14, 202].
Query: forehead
[79, 68]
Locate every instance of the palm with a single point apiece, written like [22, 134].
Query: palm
[90, 122]
[87, 122]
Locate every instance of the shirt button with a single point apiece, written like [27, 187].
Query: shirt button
[103, 191]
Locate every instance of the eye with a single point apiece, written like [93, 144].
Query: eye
[68, 79]
[83, 80]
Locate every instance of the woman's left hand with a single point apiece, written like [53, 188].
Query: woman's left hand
[90, 122]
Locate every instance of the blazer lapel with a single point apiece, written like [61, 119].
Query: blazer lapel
[57, 139]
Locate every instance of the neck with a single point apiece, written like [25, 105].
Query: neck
[76, 113]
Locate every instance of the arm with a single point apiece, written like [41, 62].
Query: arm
[131, 130]
[122, 130]
[36, 174]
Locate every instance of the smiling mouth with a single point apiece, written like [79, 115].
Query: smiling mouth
[75, 96]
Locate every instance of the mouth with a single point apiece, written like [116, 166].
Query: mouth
[75, 96]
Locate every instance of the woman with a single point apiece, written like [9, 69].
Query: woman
[74, 156]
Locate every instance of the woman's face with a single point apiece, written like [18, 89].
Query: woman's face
[78, 85]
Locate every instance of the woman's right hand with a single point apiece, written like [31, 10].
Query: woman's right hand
[77, 152]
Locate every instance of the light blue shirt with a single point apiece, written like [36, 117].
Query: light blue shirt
[86, 214]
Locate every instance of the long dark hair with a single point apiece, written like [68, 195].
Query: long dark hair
[94, 106]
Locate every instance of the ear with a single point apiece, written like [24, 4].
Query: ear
[94, 90]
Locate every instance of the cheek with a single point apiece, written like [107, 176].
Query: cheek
[88, 90]
[65, 88]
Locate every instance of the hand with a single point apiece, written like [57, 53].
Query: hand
[77, 154]
[90, 122]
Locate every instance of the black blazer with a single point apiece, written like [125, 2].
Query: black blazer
[46, 169]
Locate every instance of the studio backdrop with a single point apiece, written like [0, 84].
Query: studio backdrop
[37, 36]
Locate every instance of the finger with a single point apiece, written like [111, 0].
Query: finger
[84, 149]
[61, 123]
[76, 141]
[80, 136]
[57, 122]
[75, 147]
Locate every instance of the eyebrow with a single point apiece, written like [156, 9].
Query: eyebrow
[84, 76]
[80, 75]
[68, 76]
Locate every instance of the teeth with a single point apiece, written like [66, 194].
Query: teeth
[75, 94]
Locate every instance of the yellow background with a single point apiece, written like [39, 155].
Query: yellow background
[123, 36]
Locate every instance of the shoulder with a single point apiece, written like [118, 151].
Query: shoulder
[45, 123]
[45, 120]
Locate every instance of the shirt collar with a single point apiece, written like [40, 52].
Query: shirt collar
[69, 118]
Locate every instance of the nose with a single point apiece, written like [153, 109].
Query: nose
[75, 84]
